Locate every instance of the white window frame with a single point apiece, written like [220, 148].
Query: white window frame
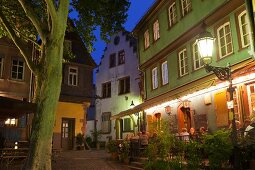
[156, 34]
[186, 7]
[224, 37]
[196, 57]
[244, 30]
[146, 39]
[164, 70]
[172, 14]
[17, 72]
[154, 77]
[73, 76]
[183, 63]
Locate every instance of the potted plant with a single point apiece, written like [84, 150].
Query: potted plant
[112, 147]
[97, 135]
[79, 141]
[125, 151]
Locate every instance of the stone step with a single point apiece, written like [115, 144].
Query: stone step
[137, 164]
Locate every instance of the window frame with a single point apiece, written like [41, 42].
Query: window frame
[219, 28]
[121, 57]
[185, 9]
[146, 37]
[126, 87]
[112, 60]
[172, 15]
[73, 75]
[106, 117]
[196, 57]
[241, 30]
[17, 70]
[154, 78]
[164, 73]
[131, 129]
[156, 32]
[105, 87]
[185, 61]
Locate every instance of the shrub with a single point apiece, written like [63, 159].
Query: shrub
[219, 148]
[112, 146]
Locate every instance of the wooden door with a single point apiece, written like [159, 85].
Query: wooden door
[220, 102]
[67, 133]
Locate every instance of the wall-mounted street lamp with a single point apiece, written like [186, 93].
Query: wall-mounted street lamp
[205, 43]
[132, 105]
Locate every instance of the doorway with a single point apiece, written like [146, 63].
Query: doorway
[184, 118]
[67, 133]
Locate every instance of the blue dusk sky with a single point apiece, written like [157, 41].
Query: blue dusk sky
[136, 11]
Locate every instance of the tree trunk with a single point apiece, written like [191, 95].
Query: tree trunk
[48, 86]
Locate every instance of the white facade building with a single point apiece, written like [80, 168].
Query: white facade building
[117, 84]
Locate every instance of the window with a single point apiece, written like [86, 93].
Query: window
[106, 90]
[121, 57]
[183, 62]
[172, 15]
[73, 76]
[244, 31]
[164, 70]
[251, 98]
[1, 65]
[198, 61]
[106, 122]
[224, 40]
[156, 30]
[17, 69]
[112, 60]
[146, 39]
[186, 7]
[65, 129]
[124, 85]
[127, 125]
[155, 78]
[11, 122]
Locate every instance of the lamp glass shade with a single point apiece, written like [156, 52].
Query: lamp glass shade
[132, 105]
[205, 45]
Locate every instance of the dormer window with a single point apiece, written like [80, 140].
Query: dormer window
[73, 76]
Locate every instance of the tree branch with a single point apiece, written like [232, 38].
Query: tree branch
[51, 9]
[19, 43]
[40, 27]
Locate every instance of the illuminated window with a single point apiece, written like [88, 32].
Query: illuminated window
[1, 65]
[172, 14]
[198, 61]
[185, 6]
[244, 31]
[183, 62]
[17, 69]
[112, 60]
[146, 39]
[11, 122]
[155, 78]
[106, 90]
[106, 122]
[121, 57]
[127, 125]
[164, 71]
[224, 40]
[73, 76]
[124, 85]
[156, 30]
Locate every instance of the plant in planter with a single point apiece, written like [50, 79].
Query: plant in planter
[124, 148]
[80, 141]
[97, 134]
[112, 147]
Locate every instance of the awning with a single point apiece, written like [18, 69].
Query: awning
[171, 95]
[13, 108]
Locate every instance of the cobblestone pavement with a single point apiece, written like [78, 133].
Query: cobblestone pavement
[86, 160]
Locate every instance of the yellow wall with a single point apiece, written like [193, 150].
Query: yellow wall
[69, 110]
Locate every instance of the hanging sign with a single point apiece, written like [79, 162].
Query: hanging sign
[230, 104]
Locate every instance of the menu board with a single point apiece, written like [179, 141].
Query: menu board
[200, 121]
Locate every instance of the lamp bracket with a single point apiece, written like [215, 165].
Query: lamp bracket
[223, 73]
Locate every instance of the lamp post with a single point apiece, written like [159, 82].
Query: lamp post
[205, 43]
